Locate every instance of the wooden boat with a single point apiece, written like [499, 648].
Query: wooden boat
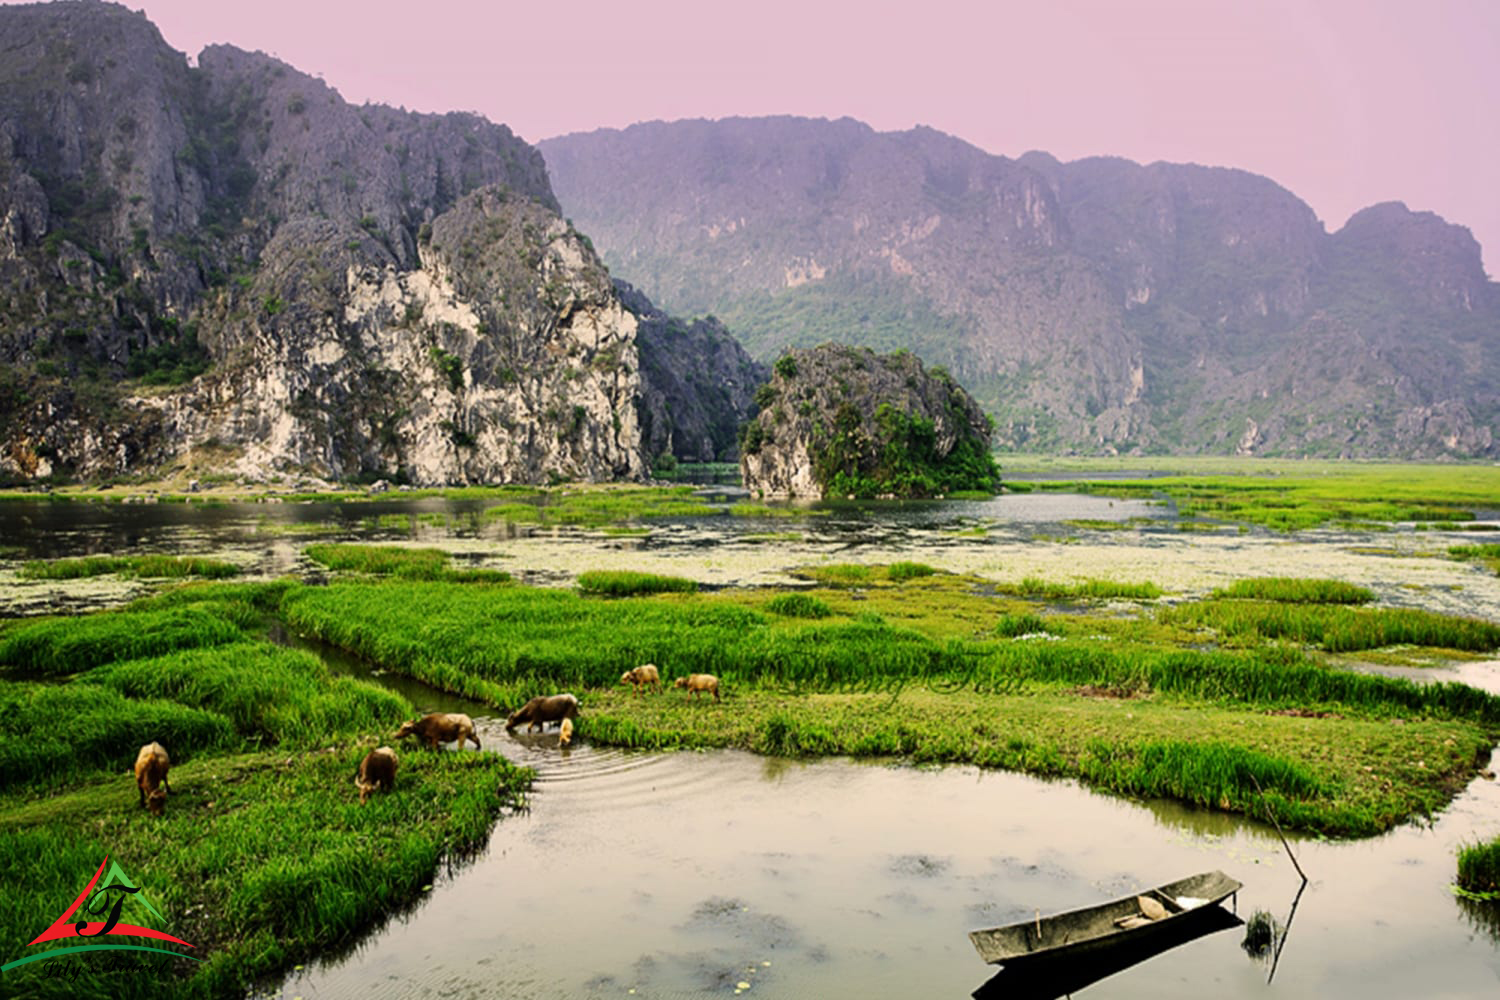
[1140, 917]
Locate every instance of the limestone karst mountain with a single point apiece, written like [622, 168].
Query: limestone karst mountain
[1098, 305]
[226, 266]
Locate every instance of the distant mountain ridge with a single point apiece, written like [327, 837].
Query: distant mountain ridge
[1099, 305]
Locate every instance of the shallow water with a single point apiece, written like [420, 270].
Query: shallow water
[682, 875]
[1005, 539]
[686, 874]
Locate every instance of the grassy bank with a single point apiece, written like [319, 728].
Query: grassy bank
[264, 856]
[836, 672]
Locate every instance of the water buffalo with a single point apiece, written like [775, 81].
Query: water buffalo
[440, 727]
[699, 682]
[539, 711]
[645, 674]
[150, 772]
[377, 772]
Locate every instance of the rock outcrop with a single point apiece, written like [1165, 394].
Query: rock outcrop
[845, 422]
[698, 384]
[227, 266]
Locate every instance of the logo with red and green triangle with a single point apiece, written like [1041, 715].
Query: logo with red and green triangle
[104, 903]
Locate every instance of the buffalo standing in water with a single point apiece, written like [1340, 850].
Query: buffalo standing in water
[539, 711]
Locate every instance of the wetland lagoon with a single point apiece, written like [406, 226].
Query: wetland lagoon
[936, 716]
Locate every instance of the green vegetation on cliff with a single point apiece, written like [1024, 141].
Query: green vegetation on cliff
[846, 422]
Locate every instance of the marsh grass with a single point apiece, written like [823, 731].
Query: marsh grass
[1085, 590]
[267, 693]
[1297, 591]
[1010, 626]
[1291, 497]
[137, 566]
[1488, 554]
[1310, 772]
[861, 575]
[62, 646]
[1335, 628]
[900, 572]
[410, 563]
[838, 574]
[522, 639]
[625, 583]
[798, 606]
[1479, 868]
[261, 860]
[598, 507]
[52, 734]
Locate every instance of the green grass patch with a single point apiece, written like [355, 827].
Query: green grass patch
[262, 859]
[838, 574]
[138, 566]
[1335, 628]
[1487, 554]
[798, 606]
[1479, 868]
[900, 572]
[1010, 626]
[626, 583]
[62, 646]
[1297, 591]
[1295, 496]
[1035, 587]
[1310, 772]
[414, 564]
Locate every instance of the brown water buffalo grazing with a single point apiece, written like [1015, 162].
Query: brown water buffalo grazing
[565, 734]
[151, 777]
[440, 727]
[699, 682]
[377, 772]
[641, 676]
[539, 711]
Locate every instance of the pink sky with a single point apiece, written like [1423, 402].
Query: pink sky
[1344, 102]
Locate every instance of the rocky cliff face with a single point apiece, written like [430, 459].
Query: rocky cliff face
[1098, 305]
[228, 265]
[698, 384]
[844, 421]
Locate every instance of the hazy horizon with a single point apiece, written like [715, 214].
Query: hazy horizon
[1344, 103]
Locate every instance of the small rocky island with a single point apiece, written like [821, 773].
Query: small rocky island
[840, 421]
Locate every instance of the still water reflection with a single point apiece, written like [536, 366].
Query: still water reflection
[687, 874]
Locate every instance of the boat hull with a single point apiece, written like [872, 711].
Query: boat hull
[1091, 928]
